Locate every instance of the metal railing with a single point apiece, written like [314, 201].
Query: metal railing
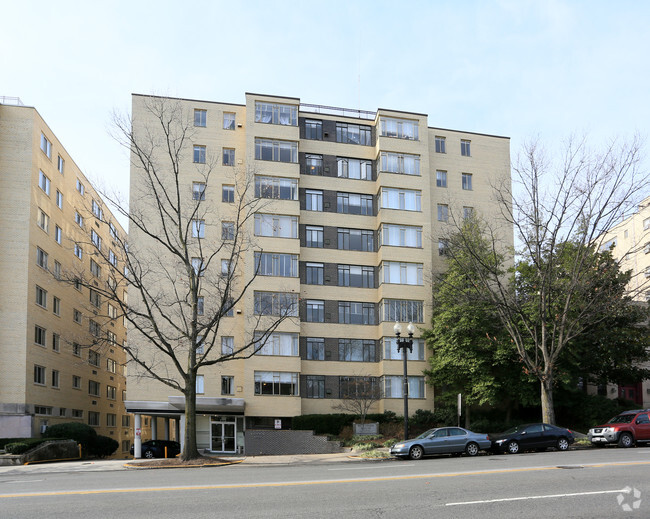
[333, 110]
[8, 100]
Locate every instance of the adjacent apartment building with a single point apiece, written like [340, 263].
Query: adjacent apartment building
[353, 228]
[629, 242]
[61, 356]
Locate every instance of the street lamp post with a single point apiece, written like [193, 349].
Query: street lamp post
[402, 344]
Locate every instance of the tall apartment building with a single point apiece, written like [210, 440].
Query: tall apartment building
[353, 227]
[61, 356]
[629, 242]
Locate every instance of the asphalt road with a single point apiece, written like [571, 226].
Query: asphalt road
[582, 483]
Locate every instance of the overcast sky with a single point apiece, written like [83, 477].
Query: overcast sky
[517, 68]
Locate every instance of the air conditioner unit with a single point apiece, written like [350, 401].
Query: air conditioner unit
[43, 428]
[239, 125]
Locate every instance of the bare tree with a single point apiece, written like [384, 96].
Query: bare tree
[183, 264]
[559, 285]
[358, 395]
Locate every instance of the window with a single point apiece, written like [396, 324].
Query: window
[440, 145]
[94, 329]
[41, 258]
[276, 226]
[314, 236]
[402, 310]
[276, 303]
[279, 344]
[354, 203]
[97, 210]
[76, 349]
[227, 345]
[198, 228]
[356, 350]
[467, 181]
[400, 128]
[111, 338]
[39, 375]
[95, 239]
[59, 199]
[441, 178]
[313, 200]
[79, 219]
[277, 151]
[43, 220]
[227, 385]
[276, 187]
[313, 164]
[41, 297]
[358, 169]
[354, 134]
[276, 383]
[200, 117]
[56, 342]
[78, 251]
[276, 264]
[44, 182]
[57, 270]
[76, 384]
[93, 418]
[356, 239]
[93, 388]
[356, 276]
[197, 265]
[276, 113]
[468, 212]
[112, 258]
[77, 284]
[443, 212]
[356, 313]
[400, 163]
[228, 157]
[402, 273]
[314, 273]
[199, 154]
[315, 311]
[80, 187]
[646, 248]
[464, 148]
[401, 235]
[228, 121]
[394, 386]
[126, 421]
[95, 298]
[40, 335]
[95, 269]
[111, 420]
[315, 348]
[225, 267]
[443, 247]
[315, 386]
[60, 165]
[58, 234]
[646, 224]
[403, 199]
[111, 366]
[313, 130]
[359, 387]
[647, 272]
[112, 230]
[227, 194]
[76, 316]
[227, 230]
[93, 358]
[46, 146]
[391, 353]
[198, 190]
[200, 305]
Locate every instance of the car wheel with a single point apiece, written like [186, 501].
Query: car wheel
[416, 452]
[562, 444]
[625, 440]
[513, 447]
[149, 454]
[472, 449]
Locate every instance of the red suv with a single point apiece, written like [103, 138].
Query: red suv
[626, 429]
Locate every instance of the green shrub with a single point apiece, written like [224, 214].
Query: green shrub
[79, 432]
[365, 446]
[576, 409]
[103, 446]
[5, 441]
[390, 442]
[23, 445]
[363, 438]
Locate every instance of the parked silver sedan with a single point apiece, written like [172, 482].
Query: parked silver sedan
[442, 440]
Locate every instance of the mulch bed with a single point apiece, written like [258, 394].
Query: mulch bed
[203, 461]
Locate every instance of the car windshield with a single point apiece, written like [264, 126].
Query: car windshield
[622, 418]
[425, 434]
[512, 429]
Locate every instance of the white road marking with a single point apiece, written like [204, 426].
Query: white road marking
[550, 496]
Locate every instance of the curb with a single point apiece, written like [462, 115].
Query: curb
[138, 466]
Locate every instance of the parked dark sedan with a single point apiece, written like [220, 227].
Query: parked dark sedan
[156, 449]
[532, 436]
[444, 440]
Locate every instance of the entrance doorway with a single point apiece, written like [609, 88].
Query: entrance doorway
[223, 438]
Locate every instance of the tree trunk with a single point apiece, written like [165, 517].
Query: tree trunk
[548, 412]
[190, 450]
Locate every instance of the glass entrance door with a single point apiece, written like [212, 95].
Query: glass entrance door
[224, 436]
